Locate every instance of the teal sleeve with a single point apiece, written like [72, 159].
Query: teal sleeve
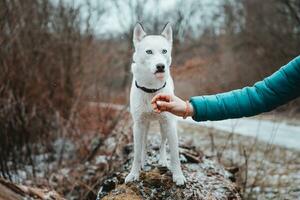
[275, 90]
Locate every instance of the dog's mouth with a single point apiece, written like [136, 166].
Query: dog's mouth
[160, 74]
[159, 71]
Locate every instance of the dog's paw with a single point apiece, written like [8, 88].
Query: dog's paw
[179, 179]
[132, 176]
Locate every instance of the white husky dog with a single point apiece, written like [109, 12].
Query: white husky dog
[151, 75]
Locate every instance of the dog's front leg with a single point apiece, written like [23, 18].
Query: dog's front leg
[169, 128]
[163, 155]
[144, 146]
[139, 129]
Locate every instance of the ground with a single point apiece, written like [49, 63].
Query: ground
[266, 171]
[262, 170]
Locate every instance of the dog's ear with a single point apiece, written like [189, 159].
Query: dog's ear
[138, 33]
[167, 32]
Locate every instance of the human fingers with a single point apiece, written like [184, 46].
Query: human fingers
[163, 105]
[161, 96]
[155, 108]
[154, 105]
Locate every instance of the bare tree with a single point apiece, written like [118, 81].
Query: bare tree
[41, 75]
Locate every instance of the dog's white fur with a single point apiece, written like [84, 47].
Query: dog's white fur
[143, 69]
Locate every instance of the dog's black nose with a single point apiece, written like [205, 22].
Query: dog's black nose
[160, 67]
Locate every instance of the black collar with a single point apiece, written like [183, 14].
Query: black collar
[148, 90]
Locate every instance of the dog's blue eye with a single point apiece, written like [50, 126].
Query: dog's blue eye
[164, 51]
[149, 52]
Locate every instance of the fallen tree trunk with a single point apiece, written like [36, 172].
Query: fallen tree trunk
[11, 191]
[206, 179]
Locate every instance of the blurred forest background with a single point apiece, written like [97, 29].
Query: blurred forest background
[58, 56]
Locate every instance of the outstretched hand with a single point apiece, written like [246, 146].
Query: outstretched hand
[173, 104]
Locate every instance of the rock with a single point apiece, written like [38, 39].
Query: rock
[206, 179]
[109, 184]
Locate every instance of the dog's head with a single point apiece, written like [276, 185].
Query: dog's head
[152, 54]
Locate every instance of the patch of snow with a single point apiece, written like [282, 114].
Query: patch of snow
[279, 133]
[101, 159]
[110, 143]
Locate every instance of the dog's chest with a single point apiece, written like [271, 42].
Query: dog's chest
[140, 106]
[141, 102]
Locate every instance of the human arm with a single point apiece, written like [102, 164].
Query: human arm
[275, 90]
